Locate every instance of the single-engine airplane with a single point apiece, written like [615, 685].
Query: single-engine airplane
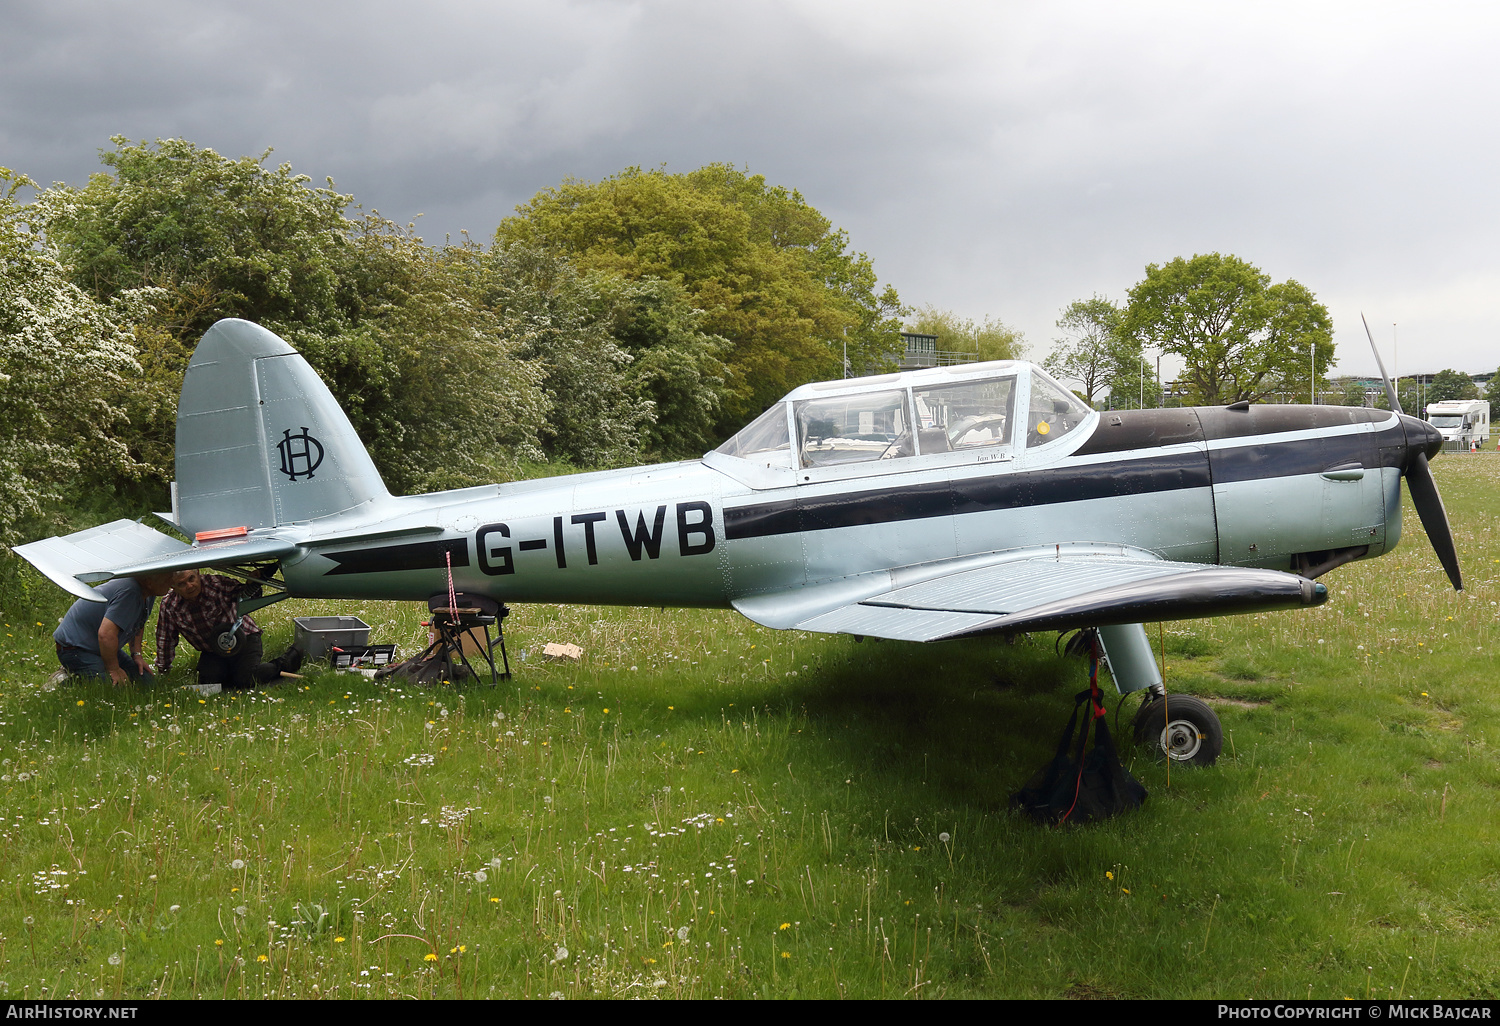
[942, 503]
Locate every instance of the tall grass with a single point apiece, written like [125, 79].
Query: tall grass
[704, 808]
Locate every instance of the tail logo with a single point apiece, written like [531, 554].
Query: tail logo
[300, 454]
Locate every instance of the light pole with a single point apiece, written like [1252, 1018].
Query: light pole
[1312, 374]
[1159, 398]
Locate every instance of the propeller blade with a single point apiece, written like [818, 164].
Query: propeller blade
[1424, 496]
[1390, 392]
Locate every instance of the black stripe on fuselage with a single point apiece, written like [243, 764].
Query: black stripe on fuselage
[1148, 474]
[388, 558]
[1168, 472]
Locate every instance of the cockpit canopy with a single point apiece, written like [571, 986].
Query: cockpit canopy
[916, 414]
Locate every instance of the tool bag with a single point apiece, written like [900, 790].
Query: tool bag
[1079, 788]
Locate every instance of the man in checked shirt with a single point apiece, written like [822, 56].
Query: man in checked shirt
[200, 608]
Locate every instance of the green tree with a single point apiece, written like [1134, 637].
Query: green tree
[397, 329]
[1492, 393]
[65, 361]
[1241, 337]
[1408, 392]
[770, 273]
[554, 316]
[1350, 392]
[675, 365]
[225, 238]
[1451, 384]
[989, 339]
[1094, 351]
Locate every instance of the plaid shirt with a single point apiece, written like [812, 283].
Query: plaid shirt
[195, 621]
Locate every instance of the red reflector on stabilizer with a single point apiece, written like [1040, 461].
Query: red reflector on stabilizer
[223, 532]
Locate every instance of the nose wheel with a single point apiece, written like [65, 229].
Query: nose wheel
[1181, 728]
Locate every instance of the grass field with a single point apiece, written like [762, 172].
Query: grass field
[704, 808]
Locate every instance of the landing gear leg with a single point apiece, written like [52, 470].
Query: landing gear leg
[1177, 727]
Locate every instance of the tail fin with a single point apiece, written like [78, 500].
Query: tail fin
[260, 440]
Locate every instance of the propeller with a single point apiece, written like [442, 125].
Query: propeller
[1419, 482]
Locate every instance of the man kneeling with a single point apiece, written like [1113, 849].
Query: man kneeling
[204, 610]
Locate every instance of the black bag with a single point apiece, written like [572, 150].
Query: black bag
[428, 668]
[1081, 788]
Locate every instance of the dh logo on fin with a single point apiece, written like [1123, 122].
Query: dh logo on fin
[300, 454]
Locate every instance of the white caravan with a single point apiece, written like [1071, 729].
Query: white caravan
[1463, 422]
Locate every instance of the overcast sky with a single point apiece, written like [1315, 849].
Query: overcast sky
[993, 159]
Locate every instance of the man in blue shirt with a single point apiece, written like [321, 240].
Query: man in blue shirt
[92, 638]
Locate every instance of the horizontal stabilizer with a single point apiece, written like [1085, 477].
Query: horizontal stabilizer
[118, 544]
[125, 548]
[229, 552]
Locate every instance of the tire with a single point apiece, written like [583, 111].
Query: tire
[1187, 731]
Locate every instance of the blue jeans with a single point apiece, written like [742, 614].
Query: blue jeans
[82, 663]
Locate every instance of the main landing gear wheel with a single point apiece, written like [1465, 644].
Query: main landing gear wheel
[1186, 731]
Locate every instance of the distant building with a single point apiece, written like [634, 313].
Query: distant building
[922, 351]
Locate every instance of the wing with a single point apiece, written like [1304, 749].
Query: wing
[125, 548]
[1070, 587]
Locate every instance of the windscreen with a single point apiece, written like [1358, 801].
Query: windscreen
[762, 438]
[1054, 411]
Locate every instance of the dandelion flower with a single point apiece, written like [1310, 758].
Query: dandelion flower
[219, 943]
[480, 876]
[786, 954]
[1109, 874]
[114, 958]
[80, 701]
[431, 956]
[682, 933]
[786, 926]
[237, 864]
[261, 958]
[561, 955]
[945, 837]
[338, 940]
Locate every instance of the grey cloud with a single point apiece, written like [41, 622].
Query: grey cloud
[995, 159]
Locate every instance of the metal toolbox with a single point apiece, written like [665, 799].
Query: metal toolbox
[316, 635]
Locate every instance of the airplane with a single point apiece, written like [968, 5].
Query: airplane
[949, 502]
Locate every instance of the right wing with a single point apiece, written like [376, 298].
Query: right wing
[1070, 586]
